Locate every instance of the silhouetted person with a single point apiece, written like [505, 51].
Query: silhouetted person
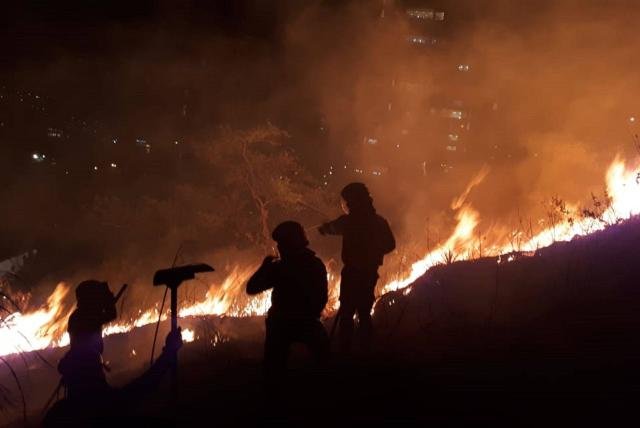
[299, 282]
[89, 399]
[366, 238]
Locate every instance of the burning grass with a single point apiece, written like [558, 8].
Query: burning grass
[45, 327]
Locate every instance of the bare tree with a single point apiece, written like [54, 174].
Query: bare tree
[263, 170]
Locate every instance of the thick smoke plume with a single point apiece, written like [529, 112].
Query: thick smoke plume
[548, 100]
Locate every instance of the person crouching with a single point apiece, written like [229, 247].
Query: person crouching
[299, 282]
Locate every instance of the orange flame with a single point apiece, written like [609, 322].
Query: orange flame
[45, 326]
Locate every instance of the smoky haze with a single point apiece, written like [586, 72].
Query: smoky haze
[547, 102]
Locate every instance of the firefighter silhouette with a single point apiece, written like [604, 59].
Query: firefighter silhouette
[366, 238]
[299, 282]
[89, 400]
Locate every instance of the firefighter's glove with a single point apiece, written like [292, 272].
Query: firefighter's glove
[324, 229]
[173, 342]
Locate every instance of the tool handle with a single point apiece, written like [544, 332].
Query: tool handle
[174, 327]
[174, 308]
[124, 287]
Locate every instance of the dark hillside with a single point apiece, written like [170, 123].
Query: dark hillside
[550, 337]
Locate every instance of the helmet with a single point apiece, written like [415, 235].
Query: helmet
[355, 192]
[357, 197]
[290, 234]
[93, 293]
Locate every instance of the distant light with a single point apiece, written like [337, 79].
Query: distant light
[426, 14]
[114, 165]
[422, 40]
[54, 132]
[115, 141]
[421, 13]
[38, 157]
[95, 167]
[632, 119]
[397, 146]
[464, 67]
[175, 143]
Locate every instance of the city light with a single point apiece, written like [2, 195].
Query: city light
[38, 157]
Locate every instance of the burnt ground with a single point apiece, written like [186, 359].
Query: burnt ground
[547, 338]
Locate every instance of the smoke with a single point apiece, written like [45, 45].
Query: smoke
[546, 103]
[549, 99]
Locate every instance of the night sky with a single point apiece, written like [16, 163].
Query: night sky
[332, 74]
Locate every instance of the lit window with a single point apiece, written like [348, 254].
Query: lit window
[421, 13]
[54, 133]
[422, 40]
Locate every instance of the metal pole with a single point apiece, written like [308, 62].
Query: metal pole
[174, 308]
[174, 328]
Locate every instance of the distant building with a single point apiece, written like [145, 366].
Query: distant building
[54, 133]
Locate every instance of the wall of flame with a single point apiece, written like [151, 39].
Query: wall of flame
[39, 328]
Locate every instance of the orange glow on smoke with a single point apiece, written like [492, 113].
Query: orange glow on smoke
[45, 327]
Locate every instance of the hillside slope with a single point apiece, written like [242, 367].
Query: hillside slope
[550, 337]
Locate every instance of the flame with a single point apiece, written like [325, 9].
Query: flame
[38, 329]
[188, 335]
[460, 240]
[623, 187]
[229, 298]
[45, 327]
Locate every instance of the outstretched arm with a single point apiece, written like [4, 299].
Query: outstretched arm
[149, 380]
[263, 278]
[335, 227]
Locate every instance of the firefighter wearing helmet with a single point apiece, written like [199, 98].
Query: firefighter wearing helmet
[89, 400]
[299, 282]
[366, 238]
